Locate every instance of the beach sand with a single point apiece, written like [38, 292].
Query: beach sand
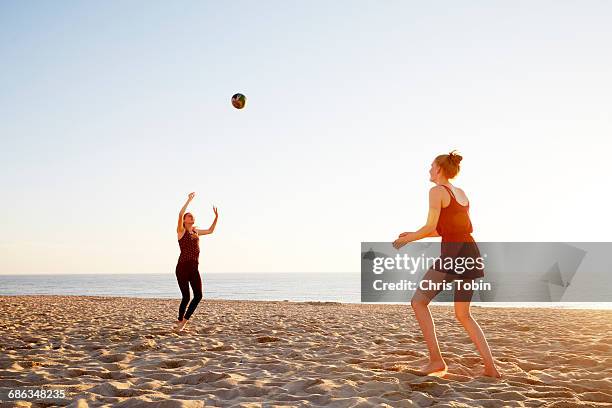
[121, 352]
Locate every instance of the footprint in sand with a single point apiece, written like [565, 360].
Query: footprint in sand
[30, 364]
[199, 378]
[172, 364]
[74, 372]
[114, 358]
[144, 345]
[116, 389]
[221, 348]
[267, 339]
[114, 375]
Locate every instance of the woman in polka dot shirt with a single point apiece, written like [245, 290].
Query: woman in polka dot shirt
[187, 272]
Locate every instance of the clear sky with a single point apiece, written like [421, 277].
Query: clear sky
[111, 112]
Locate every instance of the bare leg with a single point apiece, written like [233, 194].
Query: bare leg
[420, 305]
[462, 312]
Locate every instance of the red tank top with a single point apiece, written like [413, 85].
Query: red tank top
[190, 247]
[454, 223]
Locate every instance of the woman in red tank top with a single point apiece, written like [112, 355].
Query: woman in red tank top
[448, 218]
[187, 272]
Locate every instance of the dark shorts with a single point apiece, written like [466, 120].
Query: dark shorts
[461, 286]
[460, 260]
[187, 269]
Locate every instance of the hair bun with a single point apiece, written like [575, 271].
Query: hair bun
[454, 158]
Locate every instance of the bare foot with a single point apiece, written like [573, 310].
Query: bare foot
[492, 372]
[434, 368]
[181, 326]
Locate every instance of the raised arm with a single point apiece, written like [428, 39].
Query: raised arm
[212, 226]
[429, 229]
[179, 226]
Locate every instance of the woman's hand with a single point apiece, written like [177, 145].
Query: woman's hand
[401, 241]
[211, 229]
[179, 225]
[429, 229]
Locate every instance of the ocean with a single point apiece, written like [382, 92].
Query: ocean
[327, 287]
[296, 287]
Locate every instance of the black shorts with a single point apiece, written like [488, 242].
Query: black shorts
[460, 260]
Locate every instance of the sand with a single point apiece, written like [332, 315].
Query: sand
[121, 352]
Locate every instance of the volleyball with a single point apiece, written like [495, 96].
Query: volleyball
[238, 100]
